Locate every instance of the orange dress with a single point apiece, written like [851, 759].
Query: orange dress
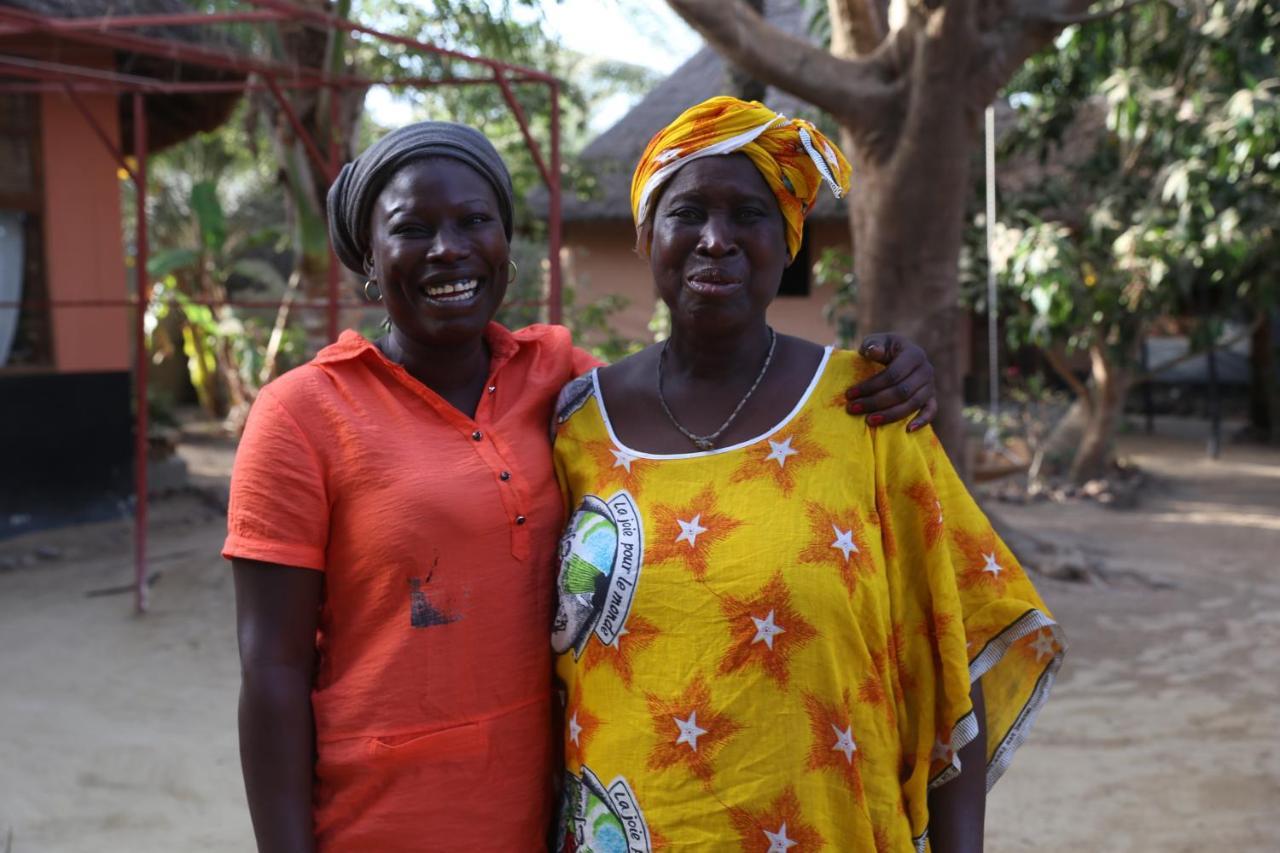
[436, 534]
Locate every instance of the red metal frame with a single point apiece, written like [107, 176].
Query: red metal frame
[275, 77]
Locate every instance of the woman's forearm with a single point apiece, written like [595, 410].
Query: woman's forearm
[277, 755]
[957, 809]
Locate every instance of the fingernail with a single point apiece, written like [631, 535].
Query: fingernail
[874, 420]
[855, 408]
[913, 426]
[852, 394]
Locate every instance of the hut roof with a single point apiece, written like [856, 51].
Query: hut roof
[172, 117]
[610, 158]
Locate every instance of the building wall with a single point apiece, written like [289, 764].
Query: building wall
[600, 260]
[66, 445]
[84, 248]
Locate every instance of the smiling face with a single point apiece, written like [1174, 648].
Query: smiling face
[439, 252]
[718, 245]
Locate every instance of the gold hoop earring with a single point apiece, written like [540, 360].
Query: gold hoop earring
[514, 271]
[376, 296]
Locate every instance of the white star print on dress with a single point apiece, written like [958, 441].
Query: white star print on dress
[622, 459]
[622, 632]
[942, 752]
[574, 728]
[780, 450]
[691, 530]
[992, 566]
[766, 630]
[689, 731]
[778, 841]
[844, 742]
[1043, 645]
[844, 542]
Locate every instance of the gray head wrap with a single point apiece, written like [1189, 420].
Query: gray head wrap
[352, 195]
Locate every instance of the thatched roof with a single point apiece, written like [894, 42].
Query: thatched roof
[171, 118]
[611, 157]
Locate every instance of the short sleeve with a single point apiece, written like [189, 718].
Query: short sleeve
[279, 507]
[979, 616]
[584, 361]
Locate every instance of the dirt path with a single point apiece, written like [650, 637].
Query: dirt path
[1161, 732]
[119, 732]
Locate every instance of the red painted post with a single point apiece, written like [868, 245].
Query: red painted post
[143, 289]
[555, 306]
[99, 131]
[159, 47]
[516, 110]
[313, 151]
[294, 12]
[124, 22]
[114, 83]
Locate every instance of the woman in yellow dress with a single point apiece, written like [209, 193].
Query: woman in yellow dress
[769, 639]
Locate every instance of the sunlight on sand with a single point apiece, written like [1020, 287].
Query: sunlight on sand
[1190, 512]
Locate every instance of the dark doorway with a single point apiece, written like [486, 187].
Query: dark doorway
[795, 278]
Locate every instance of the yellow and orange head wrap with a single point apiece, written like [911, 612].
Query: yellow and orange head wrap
[794, 157]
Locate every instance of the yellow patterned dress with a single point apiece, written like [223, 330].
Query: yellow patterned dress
[769, 647]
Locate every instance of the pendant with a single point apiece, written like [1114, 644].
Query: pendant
[703, 443]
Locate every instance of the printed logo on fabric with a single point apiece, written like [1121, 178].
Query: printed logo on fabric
[596, 819]
[601, 553]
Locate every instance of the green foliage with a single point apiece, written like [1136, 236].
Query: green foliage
[209, 216]
[592, 325]
[511, 31]
[1168, 202]
[229, 209]
[224, 348]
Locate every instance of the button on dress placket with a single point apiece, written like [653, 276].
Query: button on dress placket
[490, 453]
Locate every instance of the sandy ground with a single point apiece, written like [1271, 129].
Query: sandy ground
[119, 732]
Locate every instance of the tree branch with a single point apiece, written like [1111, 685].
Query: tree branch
[857, 26]
[852, 90]
[1059, 364]
[1026, 29]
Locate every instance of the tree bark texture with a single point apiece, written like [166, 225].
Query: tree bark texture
[908, 99]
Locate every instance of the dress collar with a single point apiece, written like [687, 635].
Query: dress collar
[351, 344]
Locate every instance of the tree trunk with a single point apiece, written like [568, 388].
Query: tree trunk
[906, 215]
[907, 94]
[1096, 452]
[1054, 455]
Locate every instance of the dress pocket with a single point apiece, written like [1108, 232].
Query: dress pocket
[373, 792]
[440, 746]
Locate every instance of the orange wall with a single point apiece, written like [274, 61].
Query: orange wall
[84, 251]
[599, 260]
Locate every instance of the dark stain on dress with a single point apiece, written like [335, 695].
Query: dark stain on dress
[423, 612]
